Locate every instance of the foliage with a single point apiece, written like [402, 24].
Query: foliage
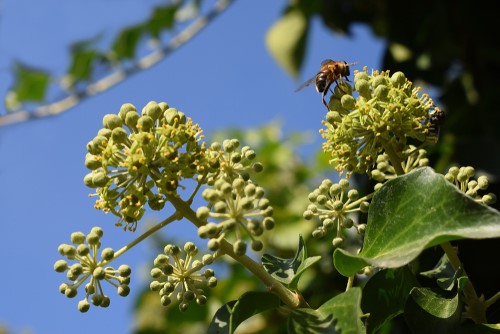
[378, 128]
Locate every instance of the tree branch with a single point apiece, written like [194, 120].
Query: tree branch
[102, 85]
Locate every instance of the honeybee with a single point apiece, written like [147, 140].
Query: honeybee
[331, 71]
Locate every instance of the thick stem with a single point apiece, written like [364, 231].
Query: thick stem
[289, 297]
[393, 157]
[476, 306]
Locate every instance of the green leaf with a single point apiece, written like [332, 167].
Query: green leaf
[288, 271]
[233, 313]
[385, 295]
[433, 311]
[414, 212]
[445, 276]
[162, 18]
[126, 43]
[341, 314]
[83, 56]
[286, 40]
[30, 83]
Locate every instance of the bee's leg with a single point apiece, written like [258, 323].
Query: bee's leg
[327, 88]
[323, 98]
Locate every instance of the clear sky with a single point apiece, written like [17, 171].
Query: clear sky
[223, 78]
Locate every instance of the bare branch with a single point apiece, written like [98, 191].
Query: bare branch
[99, 86]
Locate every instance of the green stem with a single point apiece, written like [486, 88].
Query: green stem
[350, 282]
[146, 234]
[476, 306]
[290, 298]
[393, 157]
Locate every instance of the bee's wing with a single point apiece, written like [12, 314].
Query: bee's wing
[307, 83]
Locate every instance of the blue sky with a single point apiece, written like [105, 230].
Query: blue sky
[223, 78]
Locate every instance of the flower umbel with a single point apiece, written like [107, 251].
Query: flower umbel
[386, 114]
[138, 159]
[462, 178]
[240, 209]
[180, 277]
[85, 251]
[334, 204]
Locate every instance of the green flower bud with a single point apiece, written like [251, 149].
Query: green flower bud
[240, 247]
[257, 167]
[107, 254]
[268, 223]
[333, 117]
[363, 207]
[213, 245]
[257, 245]
[100, 179]
[131, 119]
[348, 102]
[60, 266]
[207, 259]
[111, 121]
[353, 194]
[70, 291]
[165, 300]
[398, 79]
[363, 88]
[92, 162]
[153, 110]
[123, 290]
[381, 92]
[308, 215]
[77, 238]
[124, 109]
[337, 241]
[83, 305]
[201, 300]
[202, 213]
[155, 286]
[335, 190]
[348, 223]
[145, 123]
[482, 182]
[99, 273]
[489, 199]
[338, 205]
[92, 238]
[97, 230]
[83, 250]
[119, 135]
[328, 223]
[87, 180]
[212, 282]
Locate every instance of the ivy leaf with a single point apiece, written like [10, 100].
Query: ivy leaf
[414, 212]
[125, 44]
[286, 40]
[445, 276]
[30, 83]
[233, 313]
[162, 17]
[385, 295]
[433, 311]
[288, 271]
[341, 314]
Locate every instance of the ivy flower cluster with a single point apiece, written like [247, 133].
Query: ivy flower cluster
[387, 112]
[84, 252]
[236, 208]
[334, 204]
[180, 276]
[141, 158]
[462, 178]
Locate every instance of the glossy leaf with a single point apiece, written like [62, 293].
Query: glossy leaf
[414, 212]
[286, 40]
[288, 271]
[446, 277]
[385, 295]
[341, 314]
[433, 311]
[233, 313]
